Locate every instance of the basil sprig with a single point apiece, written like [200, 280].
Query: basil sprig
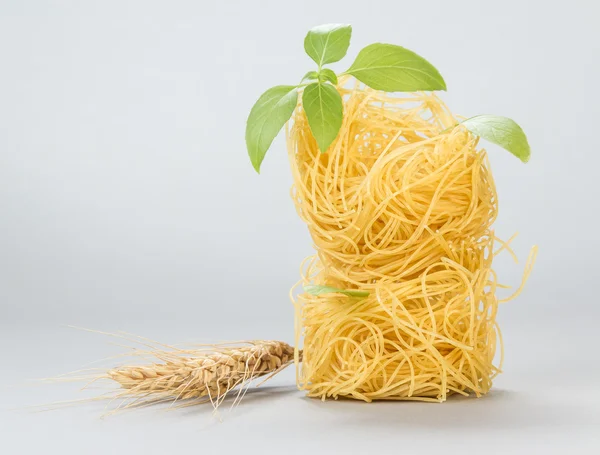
[267, 117]
[395, 69]
[327, 43]
[385, 67]
[324, 110]
[501, 131]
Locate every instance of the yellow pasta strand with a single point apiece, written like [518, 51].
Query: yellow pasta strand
[401, 205]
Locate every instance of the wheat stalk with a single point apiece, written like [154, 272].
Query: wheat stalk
[200, 375]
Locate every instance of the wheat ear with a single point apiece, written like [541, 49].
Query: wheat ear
[198, 375]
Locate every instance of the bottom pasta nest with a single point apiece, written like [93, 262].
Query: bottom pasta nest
[418, 339]
[400, 209]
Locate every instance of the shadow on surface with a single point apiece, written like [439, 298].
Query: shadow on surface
[499, 410]
[254, 397]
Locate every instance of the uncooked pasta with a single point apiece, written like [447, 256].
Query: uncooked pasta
[402, 206]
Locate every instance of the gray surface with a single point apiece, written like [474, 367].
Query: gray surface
[128, 203]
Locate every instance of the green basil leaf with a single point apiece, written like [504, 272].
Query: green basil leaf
[310, 76]
[393, 68]
[324, 111]
[501, 131]
[326, 75]
[328, 43]
[318, 290]
[267, 117]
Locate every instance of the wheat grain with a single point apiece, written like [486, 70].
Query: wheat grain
[190, 374]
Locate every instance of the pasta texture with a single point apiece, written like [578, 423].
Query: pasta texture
[402, 206]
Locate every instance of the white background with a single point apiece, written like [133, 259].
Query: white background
[128, 203]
